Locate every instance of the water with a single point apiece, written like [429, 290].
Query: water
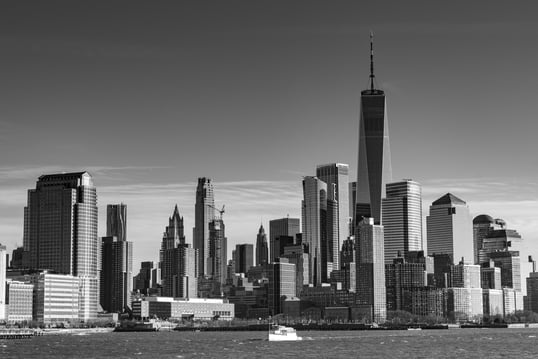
[453, 343]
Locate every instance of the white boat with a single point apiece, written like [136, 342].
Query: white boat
[280, 333]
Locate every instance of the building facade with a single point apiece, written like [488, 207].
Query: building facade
[281, 227]
[57, 298]
[191, 309]
[19, 299]
[204, 213]
[244, 257]
[282, 284]
[262, 249]
[218, 255]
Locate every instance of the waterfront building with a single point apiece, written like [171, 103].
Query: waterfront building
[177, 261]
[449, 228]
[490, 276]
[116, 282]
[402, 218]
[282, 284]
[204, 213]
[465, 276]
[19, 300]
[218, 257]
[512, 300]
[57, 298]
[262, 250]
[371, 290]
[402, 277]
[464, 304]
[510, 264]
[60, 233]
[319, 227]
[493, 302]
[243, 257]
[337, 175]
[374, 168]
[281, 227]
[176, 309]
[3, 267]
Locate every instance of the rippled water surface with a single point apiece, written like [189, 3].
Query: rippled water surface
[462, 343]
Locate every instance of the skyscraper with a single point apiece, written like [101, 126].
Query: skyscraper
[60, 232]
[374, 166]
[450, 229]
[371, 290]
[315, 228]
[402, 219]
[262, 251]
[243, 257]
[3, 265]
[178, 261]
[282, 227]
[204, 213]
[218, 257]
[337, 174]
[282, 284]
[116, 282]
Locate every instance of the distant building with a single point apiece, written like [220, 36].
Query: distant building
[297, 255]
[337, 175]
[57, 298]
[532, 292]
[218, 256]
[282, 284]
[17, 258]
[143, 281]
[482, 226]
[19, 297]
[60, 233]
[465, 276]
[491, 277]
[204, 213]
[244, 257]
[402, 218]
[513, 301]
[262, 250]
[3, 267]
[191, 309]
[371, 290]
[510, 264]
[403, 278]
[493, 302]
[281, 227]
[177, 261]
[450, 229]
[465, 304]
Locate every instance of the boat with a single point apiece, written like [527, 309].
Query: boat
[280, 333]
[132, 326]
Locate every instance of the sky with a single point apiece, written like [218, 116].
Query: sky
[149, 96]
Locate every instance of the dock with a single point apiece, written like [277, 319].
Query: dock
[19, 334]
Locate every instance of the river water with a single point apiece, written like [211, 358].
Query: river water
[452, 343]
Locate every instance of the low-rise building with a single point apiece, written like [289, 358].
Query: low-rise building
[19, 297]
[174, 308]
[56, 298]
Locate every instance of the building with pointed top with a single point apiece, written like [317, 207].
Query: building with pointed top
[450, 229]
[262, 251]
[374, 168]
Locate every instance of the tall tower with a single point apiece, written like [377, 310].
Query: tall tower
[450, 229]
[116, 282]
[60, 232]
[288, 227]
[262, 252]
[337, 175]
[374, 166]
[402, 219]
[204, 213]
[218, 244]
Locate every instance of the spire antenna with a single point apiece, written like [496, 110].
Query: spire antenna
[372, 76]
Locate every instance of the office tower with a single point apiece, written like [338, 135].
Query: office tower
[17, 258]
[178, 261]
[499, 240]
[143, 281]
[282, 227]
[490, 276]
[352, 188]
[371, 291]
[57, 298]
[465, 276]
[510, 264]
[449, 228]
[296, 255]
[482, 226]
[532, 292]
[374, 169]
[315, 228]
[116, 282]
[218, 257]
[60, 232]
[402, 278]
[3, 267]
[282, 284]
[204, 213]
[337, 174]
[19, 301]
[243, 257]
[262, 251]
[402, 218]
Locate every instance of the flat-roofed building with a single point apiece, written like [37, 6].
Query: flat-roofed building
[465, 304]
[57, 298]
[492, 300]
[174, 308]
[19, 300]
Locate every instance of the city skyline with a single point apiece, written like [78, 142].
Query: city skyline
[469, 149]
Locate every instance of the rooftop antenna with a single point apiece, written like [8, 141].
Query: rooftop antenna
[372, 76]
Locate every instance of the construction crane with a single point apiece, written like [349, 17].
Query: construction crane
[221, 211]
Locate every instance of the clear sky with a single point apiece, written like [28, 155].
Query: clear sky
[148, 96]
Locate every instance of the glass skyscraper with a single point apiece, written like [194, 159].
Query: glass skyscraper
[204, 213]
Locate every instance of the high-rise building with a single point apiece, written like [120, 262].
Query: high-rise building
[3, 266]
[482, 226]
[371, 290]
[262, 251]
[178, 261]
[204, 213]
[243, 257]
[317, 209]
[143, 281]
[57, 298]
[116, 282]
[352, 188]
[374, 168]
[60, 233]
[532, 292]
[17, 258]
[337, 174]
[450, 229]
[282, 284]
[402, 219]
[218, 257]
[281, 227]
[510, 264]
